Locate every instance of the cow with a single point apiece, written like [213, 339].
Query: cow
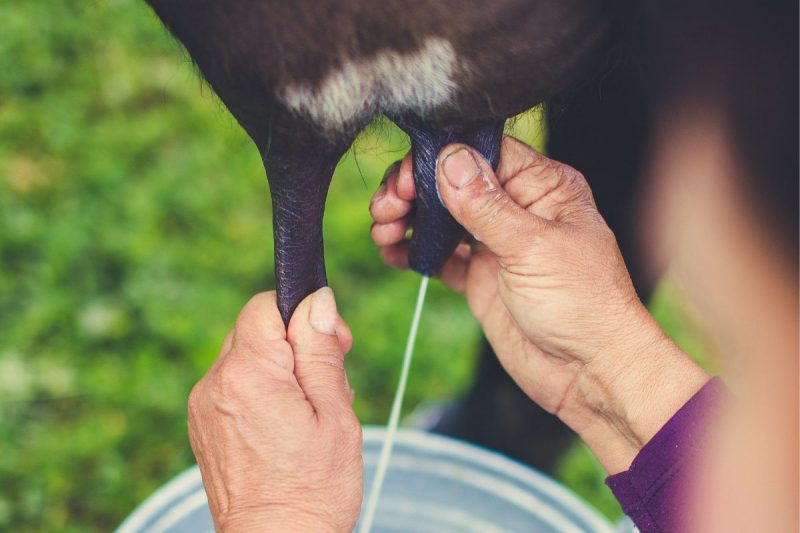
[303, 78]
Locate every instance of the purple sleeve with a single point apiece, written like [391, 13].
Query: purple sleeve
[652, 492]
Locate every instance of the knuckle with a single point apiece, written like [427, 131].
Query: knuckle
[246, 340]
[247, 314]
[243, 343]
[573, 181]
[196, 400]
[607, 238]
[348, 430]
[229, 381]
[569, 188]
[570, 172]
[324, 357]
[352, 428]
[375, 206]
[526, 156]
[492, 205]
[378, 234]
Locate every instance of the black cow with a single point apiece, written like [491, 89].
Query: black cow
[304, 77]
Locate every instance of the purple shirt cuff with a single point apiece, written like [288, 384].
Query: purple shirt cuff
[653, 491]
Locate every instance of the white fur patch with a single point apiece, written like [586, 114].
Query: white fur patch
[388, 81]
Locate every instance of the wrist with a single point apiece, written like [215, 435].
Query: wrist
[626, 392]
[282, 519]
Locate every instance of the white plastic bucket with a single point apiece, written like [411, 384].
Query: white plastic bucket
[434, 484]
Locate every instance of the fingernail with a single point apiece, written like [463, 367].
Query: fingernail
[323, 315]
[460, 168]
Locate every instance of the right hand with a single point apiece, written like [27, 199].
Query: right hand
[546, 281]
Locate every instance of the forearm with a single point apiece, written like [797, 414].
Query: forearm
[624, 395]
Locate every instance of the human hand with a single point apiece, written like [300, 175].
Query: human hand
[546, 281]
[271, 423]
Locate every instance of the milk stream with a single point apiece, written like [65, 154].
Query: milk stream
[394, 415]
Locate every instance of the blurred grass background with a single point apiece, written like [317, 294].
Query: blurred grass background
[134, 224]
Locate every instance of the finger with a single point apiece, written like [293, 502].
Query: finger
[471, 192]
[390, 170]
[516, 157]
[345, 336]
[386, 206]
[405, 179]
[260, 318]
[260, 326]
[314, 333]
[388, 234]
[396, 255]
[545, 187]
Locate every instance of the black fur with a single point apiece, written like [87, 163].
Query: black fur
[605, 69]
[517, 55]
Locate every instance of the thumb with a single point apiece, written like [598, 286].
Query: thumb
[472, 193]
[319, 338]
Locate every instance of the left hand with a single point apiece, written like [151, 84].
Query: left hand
[548, 285]
[272, 426]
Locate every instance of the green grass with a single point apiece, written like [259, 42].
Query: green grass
[134, 224]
